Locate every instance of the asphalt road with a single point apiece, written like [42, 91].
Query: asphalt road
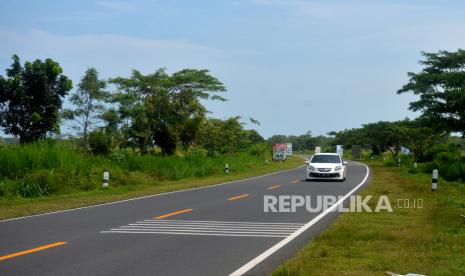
[216, 230]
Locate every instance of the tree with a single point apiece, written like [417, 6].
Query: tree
[420, 138]
[88, 101]
[162, 109]
[226, 136]
[99, 142]
[31, 97]
[441, 87]
[380, 136]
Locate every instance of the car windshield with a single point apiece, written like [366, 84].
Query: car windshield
[326, 159]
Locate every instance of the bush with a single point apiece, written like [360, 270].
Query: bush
[390, 162]
[196, 151]
[99, 142]
[259, 150]
[120, 154]
[45, 168]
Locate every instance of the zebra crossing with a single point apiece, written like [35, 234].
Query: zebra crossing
[208, 228]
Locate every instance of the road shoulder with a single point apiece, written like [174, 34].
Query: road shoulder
[427, 240]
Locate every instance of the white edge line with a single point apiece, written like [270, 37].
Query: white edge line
[251, 264]
[149, 196]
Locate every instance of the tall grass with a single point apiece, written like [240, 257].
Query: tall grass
[48, 168]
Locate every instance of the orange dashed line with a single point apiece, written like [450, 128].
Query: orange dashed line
[274, 187]
[295, 181]
[33, 250]
[173, 213]
[238, 197]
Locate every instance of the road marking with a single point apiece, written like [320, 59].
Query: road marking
[222, 221]
[238, 197]
[215, 227]
[198, 234]
[295, 181]
[274, 187]
[173, 213]
[260, 258]
[33, 250]
[208, 228]
[149, 196]
[190, 230]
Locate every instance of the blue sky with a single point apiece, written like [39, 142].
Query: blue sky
[294, 65]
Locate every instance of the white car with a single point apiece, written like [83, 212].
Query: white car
[326, 166]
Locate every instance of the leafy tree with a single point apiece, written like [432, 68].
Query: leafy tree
[89, 104]
[111, 121]
[380, 136]
[441, 87]
[278, 139]
[226, 136]
[420, 138]
[99, 142]
[162, 109]
[31, 97]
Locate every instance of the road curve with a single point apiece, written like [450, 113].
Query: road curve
[215, 230]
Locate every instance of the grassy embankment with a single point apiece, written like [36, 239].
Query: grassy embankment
[48, 177]
[428, 240]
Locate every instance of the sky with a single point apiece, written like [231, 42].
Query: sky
[293, 65]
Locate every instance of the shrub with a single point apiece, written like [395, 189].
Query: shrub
[120, 154]
[45, 168]
[259, 150]
[99, 142]
[390, 162]
[196, 151]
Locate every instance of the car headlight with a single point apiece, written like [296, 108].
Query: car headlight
[311, 168]
[338, 168]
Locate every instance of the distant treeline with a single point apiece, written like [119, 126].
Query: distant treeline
[158, 113]
[305, 142]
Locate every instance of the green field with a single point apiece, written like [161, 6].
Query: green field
[44, 177]
[428, 240]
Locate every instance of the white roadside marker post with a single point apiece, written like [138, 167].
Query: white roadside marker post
[106, 178]
[266, 162]
[226, 168]
[415, 165]
[434, 182]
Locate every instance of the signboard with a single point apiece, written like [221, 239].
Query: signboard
[280, 146]
[279, 151]
[289, 149]
[339, 150]
[317, 150]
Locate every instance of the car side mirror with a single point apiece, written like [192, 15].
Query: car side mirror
[344, 163]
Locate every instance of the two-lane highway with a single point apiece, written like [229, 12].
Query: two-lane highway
[215, 230]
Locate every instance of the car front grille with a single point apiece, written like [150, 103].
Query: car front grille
[314, 174]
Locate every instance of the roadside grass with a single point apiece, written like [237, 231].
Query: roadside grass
[135, 182]
[428, 240]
